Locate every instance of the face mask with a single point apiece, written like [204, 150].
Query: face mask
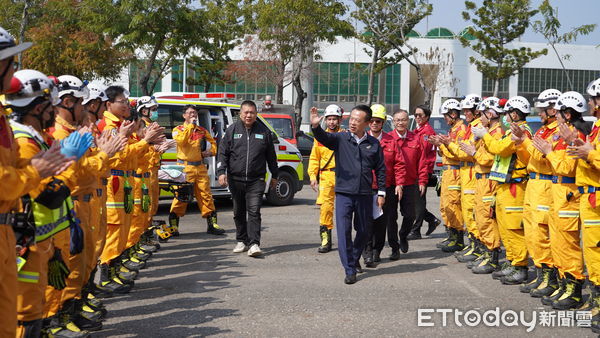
[153, 115]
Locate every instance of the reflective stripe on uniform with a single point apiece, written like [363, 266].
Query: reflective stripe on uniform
[454, 187]
[591, 222]
[543, 208]
[488, 199]
[28, 276]
[513, 209]
[469, 192]
[568, 213]
[115, 205]
[137, 201]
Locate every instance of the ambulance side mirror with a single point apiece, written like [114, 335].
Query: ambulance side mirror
[275, 138]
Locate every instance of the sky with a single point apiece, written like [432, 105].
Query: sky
[571, 13]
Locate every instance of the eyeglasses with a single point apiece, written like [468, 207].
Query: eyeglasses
[378, 121]
[420, 115]
[122, 101]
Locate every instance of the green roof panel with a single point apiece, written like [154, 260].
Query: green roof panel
[440, 33]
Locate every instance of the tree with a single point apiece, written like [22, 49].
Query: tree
[389, 24]
[63, 40]
[222, 29]
[495, 25]
[549, 27]
[157, 31]
[292, 29]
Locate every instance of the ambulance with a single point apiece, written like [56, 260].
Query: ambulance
[216, 112]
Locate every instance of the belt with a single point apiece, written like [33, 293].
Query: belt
[144, 175]
[105, 181]
[116, 172]
[190, 162]
[451, 166]
[8, 219]
[84, 198]
[563, 179]
[588, 189]
[330, 169]
[515, 180]
[480, 176]
[467, 164]
[533, 176]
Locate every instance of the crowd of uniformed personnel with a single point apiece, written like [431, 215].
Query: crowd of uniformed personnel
[79, 172]
[536, 194]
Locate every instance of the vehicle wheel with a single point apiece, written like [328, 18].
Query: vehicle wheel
[283, 194]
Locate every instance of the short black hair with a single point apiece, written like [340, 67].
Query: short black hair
[249, 103]
[366, 109]
[188, 106]
[113, 91]
[401, 111]
[425, 109]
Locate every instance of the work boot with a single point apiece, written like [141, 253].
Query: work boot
[476, 262]
[572, 297]
[146, 244]
[212, 227]
[489, 263]
[325, 239]
[548, 285]
[473, 253]
[32, 328]
[432, 226]
[548, 300]
[149, 235]
[368, 257]
[395, 255]
[517, 276]
[596, 310]
[456, 243]
[138, 253]
[174, 224]
[54, 328]
[69, 314]
[83, 316]
[109, 281]
[414, 234]
[505, 269]
[96, 304]
[92, 289]
[132, 263]
[445, 241]
[467, 248]
[527, 287]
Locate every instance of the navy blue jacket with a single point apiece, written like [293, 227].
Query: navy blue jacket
[354, 163]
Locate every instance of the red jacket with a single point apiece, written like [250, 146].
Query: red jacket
[412, 150]
[423, 133]
[394, 162]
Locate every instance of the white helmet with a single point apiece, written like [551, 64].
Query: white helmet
[470, 101]
[519, 103]
[71, 85]
[593, 89]
[546, 98]
[8, 47]
[572, 100]
[491, 103]
[334, 110]
[146, 102]
[449, 105]
[27, 85]
[96, 92]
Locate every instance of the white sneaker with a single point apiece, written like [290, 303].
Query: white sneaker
[254, 251]
[240, 247]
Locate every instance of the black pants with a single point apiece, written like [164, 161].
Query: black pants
[247, 199]
[422, 213]
[379, 226]
[410, 196]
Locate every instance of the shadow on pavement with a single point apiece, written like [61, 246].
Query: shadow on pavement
[399, 268]
[175, 292]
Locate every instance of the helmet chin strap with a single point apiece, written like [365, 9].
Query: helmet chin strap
[71, 110]
[4, 72]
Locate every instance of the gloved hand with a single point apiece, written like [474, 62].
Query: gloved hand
[479, 132]
[87, 140]
[57, 271]
[145, 198]
[128, 197]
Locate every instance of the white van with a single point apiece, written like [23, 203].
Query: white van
[215, 114]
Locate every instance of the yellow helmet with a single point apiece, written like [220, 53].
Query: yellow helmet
[379, 111]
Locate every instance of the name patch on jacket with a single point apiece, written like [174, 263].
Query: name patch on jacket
[259, 136]
[236, 136]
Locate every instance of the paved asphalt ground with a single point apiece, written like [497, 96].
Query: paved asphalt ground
[195, 286]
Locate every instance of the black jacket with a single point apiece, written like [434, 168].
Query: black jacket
[354, 163]
[244, 154]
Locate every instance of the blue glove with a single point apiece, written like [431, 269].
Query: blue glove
[86, 142]
[70, 145]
